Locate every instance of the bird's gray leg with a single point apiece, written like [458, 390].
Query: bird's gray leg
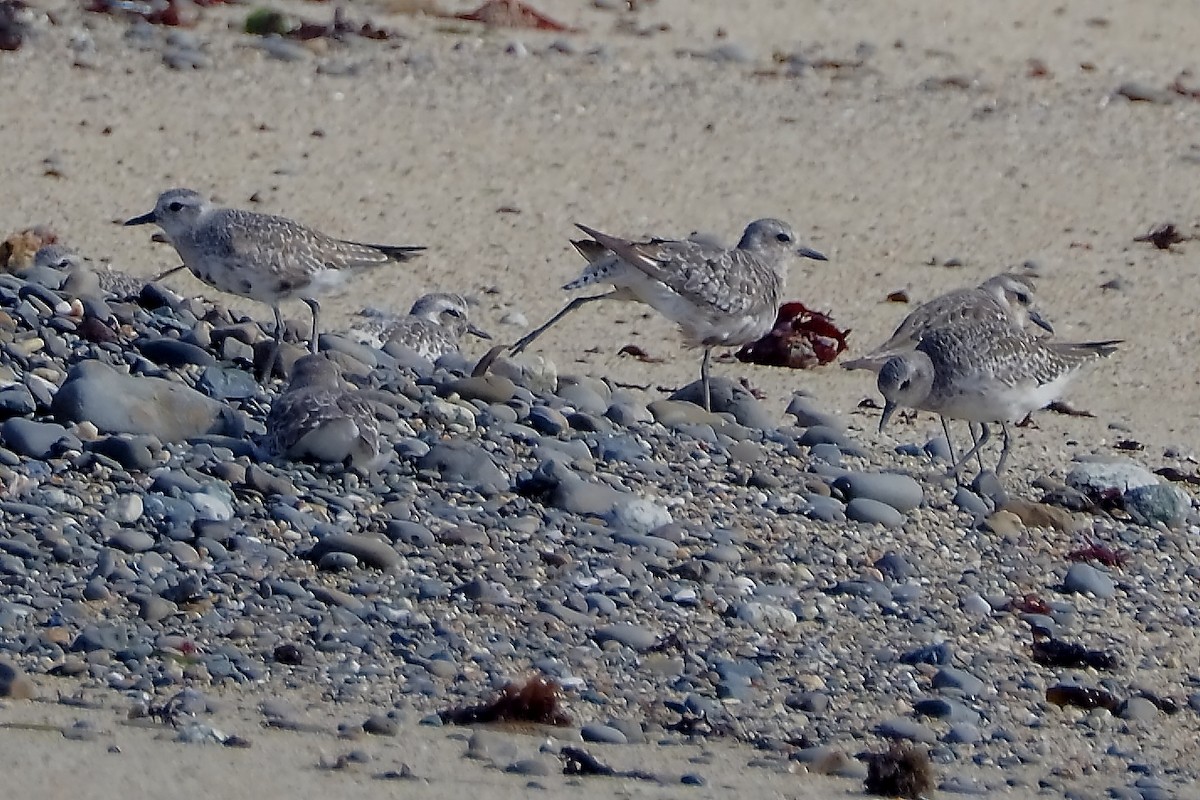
[949, 442]
[1004, 449]
[983, 437]
[975, 439]
[704, 379]
[269, 369]
[315, 308]
[527, 340]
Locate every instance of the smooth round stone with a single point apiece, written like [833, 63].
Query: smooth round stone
[490, 388]
[970, 502]
[336, 562]
[895, 566]
[809, 416]
[175, 353]
[132, 541]
[536, 767]
[211, 507]
[959, 680]
[16, 401]
[381, 725]
[602, 734]
[369, 550]
[222, 383]
[947, 709]
[1139, 708]
[410, 533]
[825, 509]
[40, 440]
[637, 515]
[963, 733]
[548, 421]
[15, 684]
[1083, 578]
[126, 509]
[938, 654]
[765, 616]
[131, 452]
[632, 636]
[819, 434]
[864, 509]
[898, 491]
[901, 728]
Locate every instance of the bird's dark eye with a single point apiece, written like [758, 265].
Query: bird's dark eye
[454, 312]
[175, 205]
[783, 237]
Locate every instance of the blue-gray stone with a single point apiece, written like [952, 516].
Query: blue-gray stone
[1083, 578]
[40, 440]
[898, 491]
[873, 512]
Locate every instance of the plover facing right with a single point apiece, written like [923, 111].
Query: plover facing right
[259, 256]
[719, 297]
[983, 372]
[432, 328]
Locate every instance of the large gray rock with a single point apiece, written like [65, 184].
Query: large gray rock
[119, 403]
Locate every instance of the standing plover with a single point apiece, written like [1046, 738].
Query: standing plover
[265, 258]
[719, 297]
[983, 372]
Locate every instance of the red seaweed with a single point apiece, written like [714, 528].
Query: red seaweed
[801, 339]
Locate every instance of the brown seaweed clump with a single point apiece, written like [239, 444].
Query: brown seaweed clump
[903, 771]
[537, 701]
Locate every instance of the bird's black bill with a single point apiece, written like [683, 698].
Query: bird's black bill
[144, 219]
[888, 409]
[806, 252]
[1040, 321]
[171, 271]
[475, 330]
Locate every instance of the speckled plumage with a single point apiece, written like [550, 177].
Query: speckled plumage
[83, 279]
[259, 256]
[1006, 298]
[433, 327]
[983, 372]
[316, 419]
[717, 296]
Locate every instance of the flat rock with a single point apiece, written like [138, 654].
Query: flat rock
[367, 549]
[898, 491]
[152, 406]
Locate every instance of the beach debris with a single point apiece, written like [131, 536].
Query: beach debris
[1051, 652]
[901, 771]
[513, 14]
[536, 701]
[1065, 408]
[801, 339]
[1085, 697]
[898, 296]
[1141, 93]
[13, 25]
[1029, 604]
[272, 22]
[1163, 236]
[171, 13]
[634, 351]
[1101, 553]
[17, 251]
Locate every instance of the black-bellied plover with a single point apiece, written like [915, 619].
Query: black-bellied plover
[433, 327]
[984, 372]
[262, 257]
[317, 419]
[719, 297]
[1007, 297]
[84, 280]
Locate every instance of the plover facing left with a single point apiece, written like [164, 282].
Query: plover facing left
[719, 297]
[983, 372]
[261, 257]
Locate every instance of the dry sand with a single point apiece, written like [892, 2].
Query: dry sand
[438, 132]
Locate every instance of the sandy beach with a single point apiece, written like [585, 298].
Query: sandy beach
[920, 147]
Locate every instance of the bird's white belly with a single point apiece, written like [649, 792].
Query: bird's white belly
[701, 323]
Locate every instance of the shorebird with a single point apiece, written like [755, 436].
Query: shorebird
[983, 372]
[82, 278]
[719, 297]
[316, 419]
[1007, 298]
[433, 327]
[261, 257]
